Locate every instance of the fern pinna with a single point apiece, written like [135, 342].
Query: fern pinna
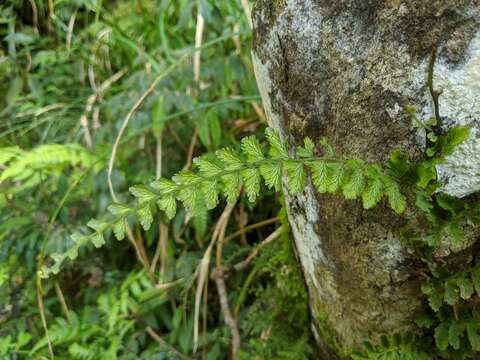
[229, 170]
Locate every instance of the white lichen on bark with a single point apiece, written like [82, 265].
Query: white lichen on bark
[460, 105]
[265, 87]
[308, 242]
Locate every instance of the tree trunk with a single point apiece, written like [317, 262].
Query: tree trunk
[345, 70]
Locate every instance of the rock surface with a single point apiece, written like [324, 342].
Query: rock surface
[346, 70]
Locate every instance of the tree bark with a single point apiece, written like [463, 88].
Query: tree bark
[345, 70]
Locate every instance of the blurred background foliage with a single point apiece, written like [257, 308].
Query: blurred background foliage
[70, 72]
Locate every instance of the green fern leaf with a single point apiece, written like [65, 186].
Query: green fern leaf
[278, 148]
[328, 149]
[186, 178]
[272, 173]
[466, 287]
[97, 240]
[168, 204]
[396, 200]
[398, 164]
[455, 137]
[142, 193]
[252, 149]
[78, 239]
[441, 335]
[373, 191]
[336, 176]
[425, 321]
[119, 209]
[208, 167]
[451, 292]
[23, 339]
[476, 278]
[355, 184]
[455, 332]
[307, 150]
[188, 196]
[145, 217]
[455, 233]
[435, 297]
[426, 173]
[164, 186]
[296, 176]
[119, 229]
[232, 184]
[473, 332]
[251, 179]
[433, 239]
[80, 352]
[424, 202]
[8, 153]
[230, 159]
[200, 220]
[97, 225]
[319, 170]
[49, 157]
[210, 193]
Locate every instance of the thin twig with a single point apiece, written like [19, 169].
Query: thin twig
[163, 343]
[34, 15]
[251, 227]
[93, 58]
[218, 276]
[205, 315]
[196, 77]
[41, 309]
[259, 111]
[203, 268]
[434, 93]
[71, 24]
[138, 250]
[92, 99]
[48, 108]
[191, 149]
[198, 44]
[51, 15]
[236, 39]
[158, 165]
[242, 220]
[242, 265]
[164, 286]
[61, 298]
[161, 250]
[141, 246]
[227, 314]
[248, 12]
[162, 244]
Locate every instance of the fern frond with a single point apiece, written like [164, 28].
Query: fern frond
[8, 153]
[227, 172]
[28, 165]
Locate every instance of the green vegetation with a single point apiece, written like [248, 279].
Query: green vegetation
[70, 73]
[102, 95]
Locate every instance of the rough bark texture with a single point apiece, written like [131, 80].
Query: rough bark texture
[346, 69]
